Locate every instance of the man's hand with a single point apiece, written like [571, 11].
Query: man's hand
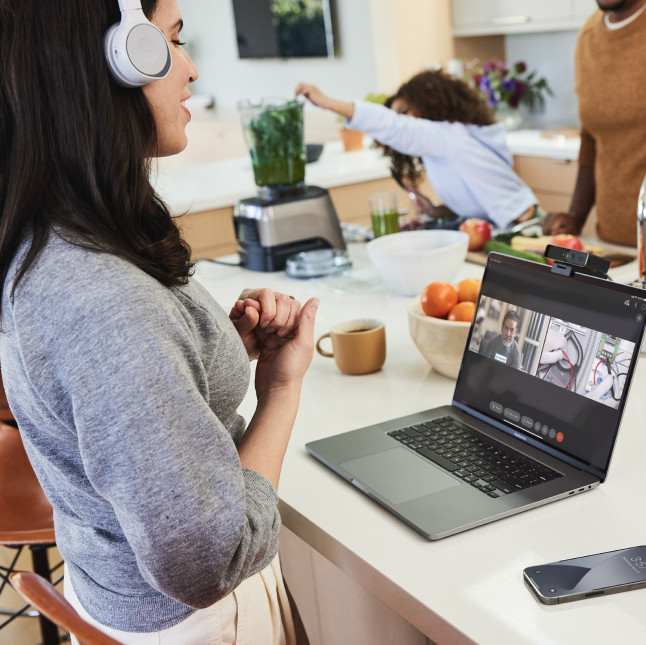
[558, 223]
[600, 389]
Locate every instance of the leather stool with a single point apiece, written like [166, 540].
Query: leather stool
[25, 519]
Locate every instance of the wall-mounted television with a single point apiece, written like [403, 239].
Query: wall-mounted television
[283, 28]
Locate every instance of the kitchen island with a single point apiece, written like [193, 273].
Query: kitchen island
[360, 575]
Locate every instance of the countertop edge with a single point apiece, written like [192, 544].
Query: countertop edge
[222, 184]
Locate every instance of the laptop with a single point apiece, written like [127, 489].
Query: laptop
[535, 412]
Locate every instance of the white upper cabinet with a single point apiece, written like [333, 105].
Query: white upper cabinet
[479, 17]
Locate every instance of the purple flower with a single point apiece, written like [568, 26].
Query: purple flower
[514, 99]
[508, 84]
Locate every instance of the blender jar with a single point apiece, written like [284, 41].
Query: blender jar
[273, 130]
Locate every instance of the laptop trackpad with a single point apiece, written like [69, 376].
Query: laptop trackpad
[398, 475]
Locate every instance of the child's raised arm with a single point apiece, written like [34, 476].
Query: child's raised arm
[316, 97]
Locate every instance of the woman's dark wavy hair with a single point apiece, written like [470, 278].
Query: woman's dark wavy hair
[75, 147]
[438, 97]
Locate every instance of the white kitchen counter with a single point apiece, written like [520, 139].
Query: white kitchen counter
[532, 143]
[223, 183]
[467, 588]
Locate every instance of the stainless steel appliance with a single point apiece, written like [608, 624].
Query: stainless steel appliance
[269, 230]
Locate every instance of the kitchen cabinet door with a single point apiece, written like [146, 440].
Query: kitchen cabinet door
[552, 181]
[513, 12]
[210, 234]
[475, 17]
[469, 13]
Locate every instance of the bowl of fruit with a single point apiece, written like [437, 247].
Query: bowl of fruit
[439, 320]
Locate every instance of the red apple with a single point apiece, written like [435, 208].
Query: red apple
[568, 241]
[478, 230]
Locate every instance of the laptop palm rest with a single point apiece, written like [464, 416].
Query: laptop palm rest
[398, 475]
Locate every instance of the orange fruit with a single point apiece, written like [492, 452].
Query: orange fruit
[438, 298]
[463, 311]
[468, 290]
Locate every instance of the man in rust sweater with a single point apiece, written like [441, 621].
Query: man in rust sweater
[610, 51]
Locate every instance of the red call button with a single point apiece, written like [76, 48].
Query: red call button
[559, 436]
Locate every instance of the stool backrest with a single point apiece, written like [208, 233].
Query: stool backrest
[50, 602]
[26, 516]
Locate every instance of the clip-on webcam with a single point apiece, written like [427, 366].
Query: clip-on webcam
[568, 262]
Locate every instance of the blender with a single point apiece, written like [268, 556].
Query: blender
[286, 216]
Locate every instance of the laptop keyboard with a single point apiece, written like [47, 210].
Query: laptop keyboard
[478, 460]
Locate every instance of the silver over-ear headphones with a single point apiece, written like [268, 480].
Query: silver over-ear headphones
[137, 52]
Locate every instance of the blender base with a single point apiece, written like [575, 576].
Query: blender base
[270, 230]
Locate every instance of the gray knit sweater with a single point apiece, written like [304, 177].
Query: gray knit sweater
[126, 394]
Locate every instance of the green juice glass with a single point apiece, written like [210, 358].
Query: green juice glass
[385, 217]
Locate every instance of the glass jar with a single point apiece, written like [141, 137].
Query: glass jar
[509, 117]
[273, 130]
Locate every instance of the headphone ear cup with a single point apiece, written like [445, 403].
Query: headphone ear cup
[113, 54]
[136, 51]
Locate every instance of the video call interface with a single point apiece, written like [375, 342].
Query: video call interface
[550, 356]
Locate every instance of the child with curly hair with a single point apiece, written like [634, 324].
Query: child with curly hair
[437, 122]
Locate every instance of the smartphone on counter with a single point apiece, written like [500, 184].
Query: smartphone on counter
[588, 576]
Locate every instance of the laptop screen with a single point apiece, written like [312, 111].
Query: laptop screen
[549, 358]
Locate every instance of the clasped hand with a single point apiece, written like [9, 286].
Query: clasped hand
[277, 331]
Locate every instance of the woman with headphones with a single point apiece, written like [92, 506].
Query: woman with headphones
[123, 374]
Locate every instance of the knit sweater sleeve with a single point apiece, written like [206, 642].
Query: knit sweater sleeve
[125, 373]
[406, 134]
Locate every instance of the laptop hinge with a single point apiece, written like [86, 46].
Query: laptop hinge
[521, 436]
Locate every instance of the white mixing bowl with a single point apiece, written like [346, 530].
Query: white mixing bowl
[410, 260]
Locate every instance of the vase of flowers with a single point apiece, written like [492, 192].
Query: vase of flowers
[506, 88]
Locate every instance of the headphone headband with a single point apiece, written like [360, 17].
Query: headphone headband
[136, 51]
[127, 5]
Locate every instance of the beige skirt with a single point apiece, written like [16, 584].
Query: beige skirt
[256, 613]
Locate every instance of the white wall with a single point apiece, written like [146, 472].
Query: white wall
[366, 61]
[552, 55]
[210, 35]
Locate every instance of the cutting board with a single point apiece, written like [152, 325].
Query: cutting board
[618, 255]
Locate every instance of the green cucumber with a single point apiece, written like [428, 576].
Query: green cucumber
[505, 249]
